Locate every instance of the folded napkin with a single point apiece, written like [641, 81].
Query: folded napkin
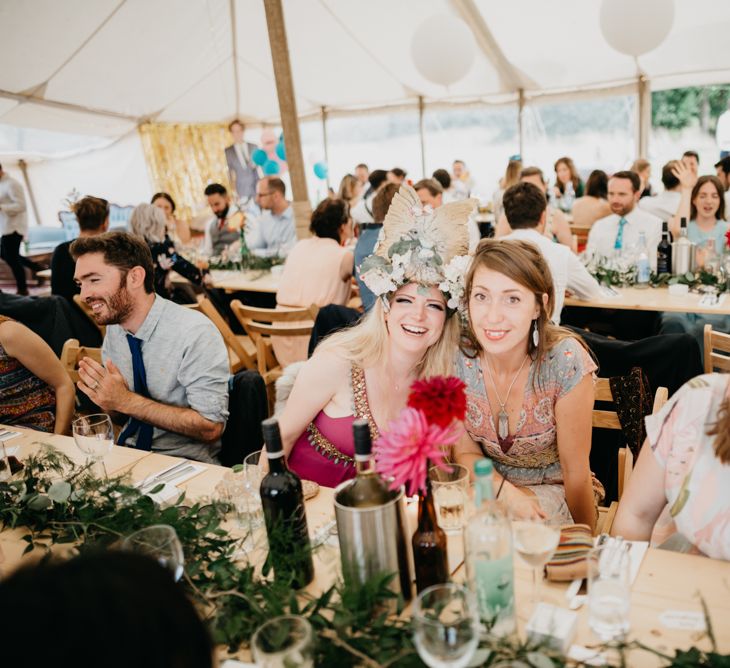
[569, 561]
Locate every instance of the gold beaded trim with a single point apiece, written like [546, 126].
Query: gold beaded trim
[361, 409]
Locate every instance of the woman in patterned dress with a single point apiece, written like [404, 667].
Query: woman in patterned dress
[35, 390]
[529, 387]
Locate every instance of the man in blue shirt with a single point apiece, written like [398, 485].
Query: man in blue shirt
[273, 232]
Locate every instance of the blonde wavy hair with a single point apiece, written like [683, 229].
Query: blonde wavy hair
[366, 343]
[149, 222]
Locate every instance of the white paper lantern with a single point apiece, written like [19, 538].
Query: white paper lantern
[442, 49]
[635, 27]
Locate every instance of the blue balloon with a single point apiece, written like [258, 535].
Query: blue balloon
[259, 157]
[281, 137]
[320, 170]
[281, 151]
[271, 168]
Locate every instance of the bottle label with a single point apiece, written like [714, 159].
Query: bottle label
[643, 270]
[494, 586]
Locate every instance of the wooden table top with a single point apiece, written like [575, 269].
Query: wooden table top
[666, 580]
[654, 299]
[251, 281]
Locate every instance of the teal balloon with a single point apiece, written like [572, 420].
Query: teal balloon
[281, 151]
[271, 168]
[259, 157]
[320, 170]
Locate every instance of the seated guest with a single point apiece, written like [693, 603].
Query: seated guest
[525, 208]
[397, 175]
[350, 190]
[619, 232]
[556, 224]
[318, 270]
[35, 390]
[93, 216]
[362, 212]
[366, 371]
[368, 237]
[176, 229]
[594, 204]
[680, 488]
[529, 387]
[511, 177]
[432, 194]
[79, 601]
[166, 368]
[643, 169]
[691, 160]
[461, 180]
[273, 232]
[723, 173]
[444, 179]
[565, 173]
[149, 223]
[225, 227]
[666, 204]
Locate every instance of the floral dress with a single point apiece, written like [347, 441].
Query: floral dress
[529, 457]
[696, 483]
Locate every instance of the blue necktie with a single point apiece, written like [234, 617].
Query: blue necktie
[144, 437]
[618, 245]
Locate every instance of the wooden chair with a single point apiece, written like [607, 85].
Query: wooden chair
[72, 352]
[86, 309]
[260, 324]
[609, 420]
[717, 351]
[241, 348]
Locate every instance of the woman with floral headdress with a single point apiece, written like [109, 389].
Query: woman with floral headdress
[411, 332]
[529, 387]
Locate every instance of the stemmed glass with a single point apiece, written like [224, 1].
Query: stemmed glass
[536, 540]
[446, 626]
[94, 436]
[160, 542]
[282, 642]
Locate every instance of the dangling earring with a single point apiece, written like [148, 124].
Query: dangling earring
[535, 334]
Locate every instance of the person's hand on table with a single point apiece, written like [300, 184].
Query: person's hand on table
[521, 504]
[106, 387]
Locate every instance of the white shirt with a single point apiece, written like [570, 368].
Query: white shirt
[361, 213]
[566, 269]
[602, 237]
[12, 207]
[664, 205]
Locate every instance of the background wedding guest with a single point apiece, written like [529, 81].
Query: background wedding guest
[643, 169]
[722, 169]
[106, 608]
[511, 177]
[350, 190]
[666, 204]
[318, 270]
[397, 175]
[239, 158]
[273, 232]
[691, 160]
[177, 229]
[594, 204]
[225, 227]
[679, 490]
[35, 390]
[565, 173]
[461, 180]
[92, 214]
[362, 173]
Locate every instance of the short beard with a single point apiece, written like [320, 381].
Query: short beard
[118, 304]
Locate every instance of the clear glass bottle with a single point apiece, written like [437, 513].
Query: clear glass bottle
[643, 266]
[488, 554]
[683, 251]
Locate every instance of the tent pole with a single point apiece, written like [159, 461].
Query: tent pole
[520, 124]
[643, 116]
[421, 109]
[326, 145]
[234, 51]
[288, 112]
[23, 165]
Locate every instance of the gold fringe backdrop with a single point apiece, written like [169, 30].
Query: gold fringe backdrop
[183, 159]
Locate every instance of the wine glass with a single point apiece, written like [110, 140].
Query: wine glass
[446, 626]
[536, 540]
[160, 542]
[283, 641]
[94, 436]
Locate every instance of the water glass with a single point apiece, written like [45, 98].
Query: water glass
[445, 626]
[282, 642]
[252, 474]
[536, 540]
[609, 590]
[5, 471]
[160, 542]
[94, 436]
[450, 494]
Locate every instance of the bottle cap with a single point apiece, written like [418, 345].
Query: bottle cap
[272, 437]
[483, 467]
[362, 440]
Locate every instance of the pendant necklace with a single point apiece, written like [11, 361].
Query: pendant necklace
[503, 416]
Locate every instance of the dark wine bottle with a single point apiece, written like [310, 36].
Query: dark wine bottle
[429, 545]
[282, 500]
[367, 489]
[664, 252]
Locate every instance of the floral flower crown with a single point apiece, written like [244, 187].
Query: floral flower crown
[421, 245]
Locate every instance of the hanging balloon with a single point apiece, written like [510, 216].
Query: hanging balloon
[259, 157]
[442, 49]
[271, 168]
[635, 27]
[320, 170]
[281, 151]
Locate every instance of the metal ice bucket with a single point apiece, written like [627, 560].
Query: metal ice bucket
[373, 541]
